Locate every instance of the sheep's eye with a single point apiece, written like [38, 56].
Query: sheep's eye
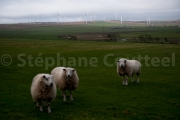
[46, 79]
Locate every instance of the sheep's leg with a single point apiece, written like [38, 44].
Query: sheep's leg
[126, 81]
[123, 81]
[132, 77]
[64, 95]
[49, 108]
[37, 105]
[40, 105]
[71, 96]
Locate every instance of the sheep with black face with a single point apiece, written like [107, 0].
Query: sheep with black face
[128, 68]
[43, 89]
[65, 78]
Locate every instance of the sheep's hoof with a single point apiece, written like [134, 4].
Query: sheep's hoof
[41, 109]
[49, 111]
[64, 98]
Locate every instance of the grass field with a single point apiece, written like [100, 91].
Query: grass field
[100, 94]
[27, 50]
[127, 30]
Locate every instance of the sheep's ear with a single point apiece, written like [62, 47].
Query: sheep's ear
[44, 76]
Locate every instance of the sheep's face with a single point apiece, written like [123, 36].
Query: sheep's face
[69, 72]
[122, 63]
[48, 80]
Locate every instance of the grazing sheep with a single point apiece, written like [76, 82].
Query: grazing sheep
[65, 78]
[128, 68]
[43, 88]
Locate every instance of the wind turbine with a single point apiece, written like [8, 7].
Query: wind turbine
[80, 18]
[149, 21]
[38, 20]
[104, 18]
[121, 20]
[86, 17]
[64, 18]
[94, 16]
[11, 20]
[58, 18]
[116, 15]
[34, 20]
[91, 16]
[30, 21]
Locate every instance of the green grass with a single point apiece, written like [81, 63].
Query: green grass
[51, 32]
[100, 94]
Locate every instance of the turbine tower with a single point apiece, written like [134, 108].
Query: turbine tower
[86, 17]
[38, 20]
[30, 20]
[149, 21]
[116, 15]
[104, 18]
[64, 18]
[58, 16]
[94, 17]
[121, 20]
[90, 16]
[34, 20]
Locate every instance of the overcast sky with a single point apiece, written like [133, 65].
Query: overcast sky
[13, 11]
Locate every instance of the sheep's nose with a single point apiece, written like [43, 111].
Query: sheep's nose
[122, 66]
[51, 84]
[69, 75]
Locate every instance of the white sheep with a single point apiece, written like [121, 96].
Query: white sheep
[128, 68]
[43, 89]
[65, 78]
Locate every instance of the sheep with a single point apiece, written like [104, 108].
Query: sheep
[42, 89]
[128, 68]
[65, 78]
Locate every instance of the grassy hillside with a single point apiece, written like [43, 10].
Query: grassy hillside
[100, 94]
